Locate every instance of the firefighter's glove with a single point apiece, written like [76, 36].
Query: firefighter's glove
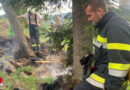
[84, 60]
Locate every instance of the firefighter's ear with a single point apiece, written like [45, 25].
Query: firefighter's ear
[100, 12]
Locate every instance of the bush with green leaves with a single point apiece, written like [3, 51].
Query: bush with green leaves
[62, 39]
[43, 31]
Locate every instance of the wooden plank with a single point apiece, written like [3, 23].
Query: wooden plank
[46, 61]
[11, 67]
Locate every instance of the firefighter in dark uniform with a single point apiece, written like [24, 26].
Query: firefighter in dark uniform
[112, 49]
[35, 20]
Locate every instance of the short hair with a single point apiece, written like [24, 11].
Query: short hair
[29, 12]
[97, 4]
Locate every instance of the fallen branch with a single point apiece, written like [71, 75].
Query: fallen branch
[47, 61]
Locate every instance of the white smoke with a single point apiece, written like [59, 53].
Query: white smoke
[55, 69]
[7, 52]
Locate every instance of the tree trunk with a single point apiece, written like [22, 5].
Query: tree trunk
[24, 48]
[82, 40]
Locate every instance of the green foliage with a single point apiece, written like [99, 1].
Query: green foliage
[62, 39]
[89, 29]
[48, 18]
[128, 88]
[62, 36]
[20, 6]
[43, 31]
[85, 50]
[16, 79]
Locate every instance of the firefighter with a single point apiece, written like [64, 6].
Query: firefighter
[35, 20]
[112, 48]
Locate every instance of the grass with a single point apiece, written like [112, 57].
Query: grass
[17, 80]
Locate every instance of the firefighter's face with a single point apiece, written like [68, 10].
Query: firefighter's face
[93, 16]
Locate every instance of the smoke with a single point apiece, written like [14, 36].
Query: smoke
[55, 69]
[7, 51]
[9, 46]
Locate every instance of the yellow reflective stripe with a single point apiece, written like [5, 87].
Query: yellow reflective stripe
[38, 45]
[94, 82]
[101, 39]
[118, 46]
[118, 66]
[97, 78]
[33, 45]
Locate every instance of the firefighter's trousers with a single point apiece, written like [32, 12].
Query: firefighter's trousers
[34, 36]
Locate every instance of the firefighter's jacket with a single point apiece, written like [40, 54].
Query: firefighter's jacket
[112, 49]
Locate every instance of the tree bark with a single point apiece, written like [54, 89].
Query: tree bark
[24, 48]
[82, 41]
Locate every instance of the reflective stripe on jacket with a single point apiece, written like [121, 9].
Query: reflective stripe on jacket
[112, 49]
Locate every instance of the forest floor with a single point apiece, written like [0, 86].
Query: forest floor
[48, 66]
